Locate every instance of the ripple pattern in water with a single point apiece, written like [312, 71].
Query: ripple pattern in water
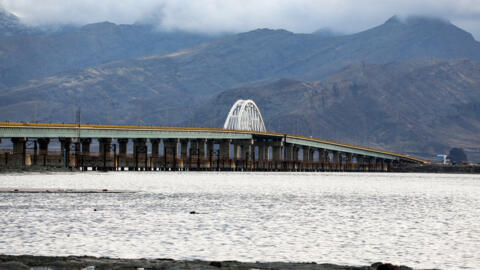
[420, 220]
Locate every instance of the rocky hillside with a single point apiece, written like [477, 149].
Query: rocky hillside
[10, 25]
[165, 88]
[376, 93]
[26, 55]
[421, 107]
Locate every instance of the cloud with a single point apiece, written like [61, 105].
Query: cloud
[213, 16]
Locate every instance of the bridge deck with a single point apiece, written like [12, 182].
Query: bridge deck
[38, 130]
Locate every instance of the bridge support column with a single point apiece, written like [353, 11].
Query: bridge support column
[194, 157]
[374, 164]
[327, 161]
[85, 151]
[236, 153]
[336, 160]
[224, 154]
[210, 154]
[306, 155]
[154, 158]
[388, 165]
[43, 145]
[122, 146]
[341, 161]
[261, 150]
[122, 153]
[368, 163]
[85, 142]
[65, 144]
[19, 152]
[361, 163]
[311, 157]
[43, 150]
[201, 152]
[261, 155]
[183, 154]
[171, 153]
[306, 158]
[296, 149]
[277, 151]
[105, 149]
[140, 151]
[321, 159]
[155, 144]
[288, 160]
[184, 148]
[355, 163]
[201, 147]
[380, 164]
[246, 153]
[288, 152]
[194, 148]
[277, 154]
[19, 145]
[349, 162]
[105, 146]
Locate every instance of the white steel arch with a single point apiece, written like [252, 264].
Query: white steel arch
[245, 115]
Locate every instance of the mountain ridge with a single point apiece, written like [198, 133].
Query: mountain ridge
[167, 88]
[33, 56]
[413, 112]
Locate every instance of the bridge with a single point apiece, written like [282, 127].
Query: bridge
[243, 144]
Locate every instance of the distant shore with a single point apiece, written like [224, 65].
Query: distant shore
[26, 262]
[438, 168]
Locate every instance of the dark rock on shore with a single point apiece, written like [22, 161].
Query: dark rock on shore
[81, 262]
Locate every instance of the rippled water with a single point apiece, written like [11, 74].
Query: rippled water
[420, 220]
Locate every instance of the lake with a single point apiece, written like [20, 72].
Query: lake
[419, 220]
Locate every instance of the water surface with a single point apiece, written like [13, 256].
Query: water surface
[420, 220]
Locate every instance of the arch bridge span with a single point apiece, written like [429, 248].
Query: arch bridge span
[178, 148]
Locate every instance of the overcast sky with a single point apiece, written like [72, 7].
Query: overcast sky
[215, 16]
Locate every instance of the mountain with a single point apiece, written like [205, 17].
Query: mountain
[10, 25]
[258, 55]
[422, 107]
[34, 56]
[326, 33]
[167, 88]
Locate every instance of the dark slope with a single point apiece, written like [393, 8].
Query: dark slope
[395, 40]
[25, 57]
[420, 106]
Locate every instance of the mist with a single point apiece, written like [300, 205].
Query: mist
[216, 16]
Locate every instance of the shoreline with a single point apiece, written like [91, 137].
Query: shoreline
[24, 262]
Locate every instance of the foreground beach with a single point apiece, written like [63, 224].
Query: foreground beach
[22, 262]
